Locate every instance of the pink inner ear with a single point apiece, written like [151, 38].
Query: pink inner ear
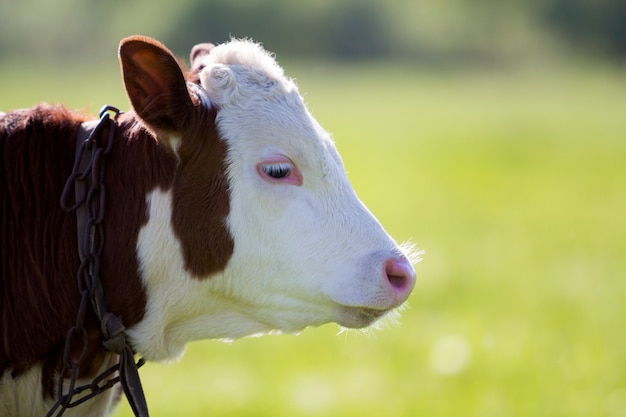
[198, 51]
[146, 80]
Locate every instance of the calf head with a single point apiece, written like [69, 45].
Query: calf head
[260, 230]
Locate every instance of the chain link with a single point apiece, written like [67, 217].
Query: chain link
[87, 182]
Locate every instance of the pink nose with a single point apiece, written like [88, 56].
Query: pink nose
[401, 277]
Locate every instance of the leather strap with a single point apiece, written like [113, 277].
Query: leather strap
[80, 185]
[84, 179]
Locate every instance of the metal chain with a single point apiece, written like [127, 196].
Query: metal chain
[87, 182]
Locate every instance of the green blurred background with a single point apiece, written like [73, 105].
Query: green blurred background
[492, 134]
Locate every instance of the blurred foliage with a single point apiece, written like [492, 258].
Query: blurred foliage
[483, 31]
[356, 28]
[599, 25]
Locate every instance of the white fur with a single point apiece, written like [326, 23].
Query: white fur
[303, 256]
[23, 396]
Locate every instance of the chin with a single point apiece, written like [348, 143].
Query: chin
[363, 317]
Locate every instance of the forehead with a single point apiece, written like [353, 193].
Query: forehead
[246, 54]
[259, 108]
[263, 127]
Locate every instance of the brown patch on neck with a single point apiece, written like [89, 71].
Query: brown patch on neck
[38, 246]
[201, 199]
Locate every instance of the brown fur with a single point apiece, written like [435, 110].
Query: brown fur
[201, 188]
[38, 244]
[37, 239]
[39, 255]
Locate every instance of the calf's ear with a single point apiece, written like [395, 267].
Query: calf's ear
[197, 52]
[155, 84]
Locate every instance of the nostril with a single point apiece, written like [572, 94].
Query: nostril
[398, 282]
[400, 274]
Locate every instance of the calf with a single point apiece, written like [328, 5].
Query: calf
[228, 213]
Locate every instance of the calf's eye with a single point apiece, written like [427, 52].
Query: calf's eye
[280, 170]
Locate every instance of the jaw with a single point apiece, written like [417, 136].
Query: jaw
[230, 324]
[163, 337]
[227, 321]
[358, 317]
[289, 315]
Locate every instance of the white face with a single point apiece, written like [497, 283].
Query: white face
[306, 250]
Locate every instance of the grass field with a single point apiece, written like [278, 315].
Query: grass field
[514, 183]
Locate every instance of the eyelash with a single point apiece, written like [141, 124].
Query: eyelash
[277, 170]
[280, 171]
